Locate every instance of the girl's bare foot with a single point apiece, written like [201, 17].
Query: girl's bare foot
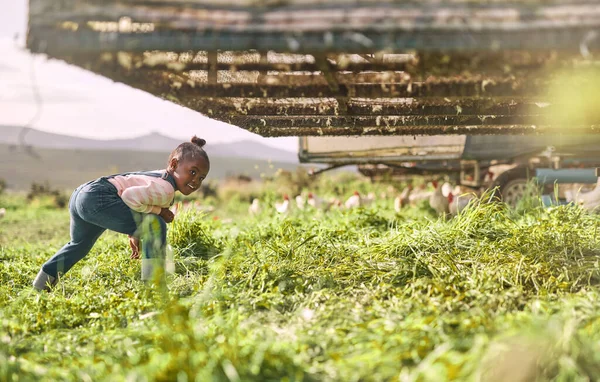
[134, 243]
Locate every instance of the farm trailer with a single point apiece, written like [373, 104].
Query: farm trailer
[344, 67]
[470, 160]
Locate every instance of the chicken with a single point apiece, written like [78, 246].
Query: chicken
[570, 196]
[189, 206]
[459, 190]
[588, 200]
[300, 202]
[403, 199]
[437, 200]
[446, 189]
[418, 195]
[371, 197]
[2, 212]
[201, 208]
[283, 207]
[314, 201]
[353, 201]
[575, 190]
[390, 190]
[459, 202]
[254, 208]
[488, 177]
[334, 203]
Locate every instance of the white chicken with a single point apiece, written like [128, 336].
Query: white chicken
[201, 208]
[334, 203]
[283, 207]
[457, 203]
[588, 200]
[300, 202]
[418, 195]
[403, 199]
[371, 197]
[459, 190]
[354, 201]
[437, 200]
[446, 189]
[2, 212]
[254, 208]
[314, 201]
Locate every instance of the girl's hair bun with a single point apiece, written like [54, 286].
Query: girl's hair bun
[198, 141]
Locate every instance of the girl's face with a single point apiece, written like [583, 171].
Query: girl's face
[189, 173]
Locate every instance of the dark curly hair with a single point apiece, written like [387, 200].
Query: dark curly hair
[189, 150]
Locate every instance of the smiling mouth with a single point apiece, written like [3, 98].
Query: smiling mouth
[190, 186]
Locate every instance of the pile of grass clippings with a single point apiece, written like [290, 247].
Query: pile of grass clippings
[492, 294]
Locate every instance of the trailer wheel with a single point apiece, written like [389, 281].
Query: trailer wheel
[511, 186]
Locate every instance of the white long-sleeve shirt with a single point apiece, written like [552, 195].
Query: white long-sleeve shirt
[144, 193]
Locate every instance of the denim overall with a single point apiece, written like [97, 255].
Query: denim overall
[95, 207]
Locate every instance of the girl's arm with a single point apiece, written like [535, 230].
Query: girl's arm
[166, 214]
[149, 197]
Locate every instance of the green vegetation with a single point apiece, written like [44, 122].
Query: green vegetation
[492, 294]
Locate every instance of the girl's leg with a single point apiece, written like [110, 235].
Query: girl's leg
[83, 237]
[116, 216]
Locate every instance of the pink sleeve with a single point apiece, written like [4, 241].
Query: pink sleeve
[149, 197]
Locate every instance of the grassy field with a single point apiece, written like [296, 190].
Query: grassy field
[493, 294]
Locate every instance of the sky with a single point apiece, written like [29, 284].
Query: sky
[78, 102]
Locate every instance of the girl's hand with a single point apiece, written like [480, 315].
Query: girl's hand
[134, 243]
[166, 214]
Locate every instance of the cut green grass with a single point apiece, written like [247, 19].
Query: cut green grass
[362, 295]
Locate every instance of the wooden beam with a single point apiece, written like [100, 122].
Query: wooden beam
[421, 64]
[212, 67]
[384, 121]
[349, 68]
[268, 131]
[44, 38]
[411, 107]
[351, 17]
[523, 8]
[285, 67]
[455, 88]
[301, 79]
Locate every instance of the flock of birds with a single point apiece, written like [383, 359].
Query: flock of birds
[444, 199]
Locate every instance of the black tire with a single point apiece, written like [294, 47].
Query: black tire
[511, 185]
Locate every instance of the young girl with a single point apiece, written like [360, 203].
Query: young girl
[136, 204]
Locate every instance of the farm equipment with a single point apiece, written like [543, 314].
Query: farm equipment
[343, 67]
[478, 161]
